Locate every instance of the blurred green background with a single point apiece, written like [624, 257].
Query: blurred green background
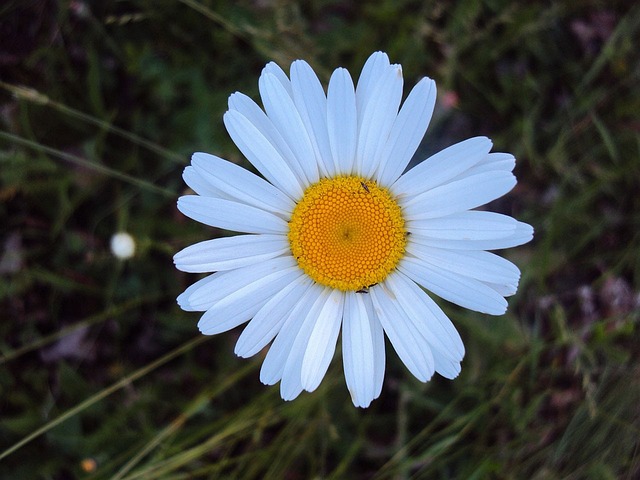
[102, 376]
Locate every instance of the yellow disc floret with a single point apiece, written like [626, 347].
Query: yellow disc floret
[347, 233]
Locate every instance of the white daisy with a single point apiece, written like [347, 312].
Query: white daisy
[336, 236]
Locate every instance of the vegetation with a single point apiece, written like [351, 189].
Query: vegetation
[102, 376]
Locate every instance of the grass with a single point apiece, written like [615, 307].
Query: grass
[102, 376]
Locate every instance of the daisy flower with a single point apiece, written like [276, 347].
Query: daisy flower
[334, 237]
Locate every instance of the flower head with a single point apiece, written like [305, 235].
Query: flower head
[336, 237]
[123, 246]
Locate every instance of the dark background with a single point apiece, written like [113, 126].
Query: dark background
[102, 376]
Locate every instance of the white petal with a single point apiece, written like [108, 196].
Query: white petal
[458, 195]
[233, 216]
[463, 291]
[426, 316]
[256, 116]
[342, 121]
[311, 102]
[199, 185]
[494, 161]
[523, 233]
[372, 70]
[274, 69]
[442, 167]
[481, 265]
[446, 367]
[276, 358]
[504, 289]
[322, 341]
[379, 356]
[230, 252]
[411, 347]
[205, 293]
[241, 185]
[291, 384]
[262, 153]
[205, 284]
[358, 351]
[268, 321]
[280, 108]
[376, 118]
[407, 132]
[469, 225]
[244, 302]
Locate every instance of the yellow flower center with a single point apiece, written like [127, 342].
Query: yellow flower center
[347, 233]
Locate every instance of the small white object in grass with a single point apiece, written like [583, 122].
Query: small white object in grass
[123, 245]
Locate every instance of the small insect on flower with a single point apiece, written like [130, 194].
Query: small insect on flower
[335, 237]
[365, 289]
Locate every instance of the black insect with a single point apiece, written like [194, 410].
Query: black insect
[366, 289]
[364, 185]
